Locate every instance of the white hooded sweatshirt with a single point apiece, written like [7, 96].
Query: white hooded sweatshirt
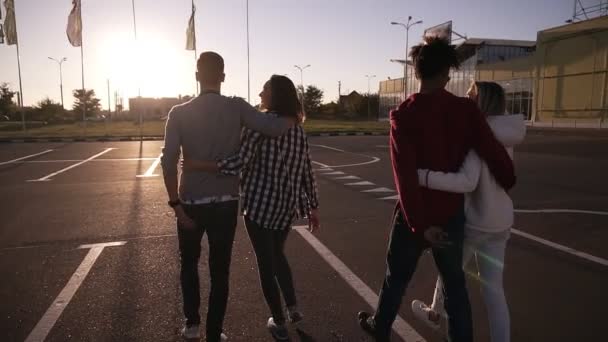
[488, 208]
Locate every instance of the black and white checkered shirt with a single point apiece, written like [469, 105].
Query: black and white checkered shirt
[277, 180]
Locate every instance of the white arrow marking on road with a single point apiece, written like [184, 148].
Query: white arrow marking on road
[50, 317]
[390, 198]
[379, 190]
[26, 157]
[401, 327]
[48, 178]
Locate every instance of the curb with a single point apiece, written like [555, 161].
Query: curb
[157, 138]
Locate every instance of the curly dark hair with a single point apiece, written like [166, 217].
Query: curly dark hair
[433, 57]
[284, 98]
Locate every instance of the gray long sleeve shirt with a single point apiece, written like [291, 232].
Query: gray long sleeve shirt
[208, 127]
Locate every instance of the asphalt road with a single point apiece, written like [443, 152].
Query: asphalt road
[63, 196]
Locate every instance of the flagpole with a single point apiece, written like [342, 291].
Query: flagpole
[248, 70]
[20, 88]
[84, 104]
[195, 51]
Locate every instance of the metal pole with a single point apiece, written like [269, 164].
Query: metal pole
[248, 65]
[84, 106]
[368, 100]
[407, 46]
[61, 84]
[195, 47]
[109, 104]
[20, 89]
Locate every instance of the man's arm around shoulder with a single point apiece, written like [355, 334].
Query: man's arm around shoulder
[266, 124]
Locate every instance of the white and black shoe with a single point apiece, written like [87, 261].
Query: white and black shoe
[279, 332]
[294, 316]
[191, 331]
[423, 313]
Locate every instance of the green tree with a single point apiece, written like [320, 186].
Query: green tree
[48, 110]
[85, 99]
[313, 97]
[7, 106]
[374, 106]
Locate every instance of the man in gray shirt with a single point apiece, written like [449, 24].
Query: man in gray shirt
[208, 128]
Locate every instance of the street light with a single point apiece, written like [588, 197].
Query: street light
[369, 77]
[302, 81]
[407, 37]
[60, 61]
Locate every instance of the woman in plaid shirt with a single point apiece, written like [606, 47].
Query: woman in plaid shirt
[278, 187]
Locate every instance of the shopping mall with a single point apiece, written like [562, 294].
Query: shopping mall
[561, 78]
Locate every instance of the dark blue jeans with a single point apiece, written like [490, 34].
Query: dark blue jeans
[218, 220]
[404, 250]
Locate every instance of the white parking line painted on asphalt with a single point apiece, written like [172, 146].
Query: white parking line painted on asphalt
[150, 171]
[79, 160]
[348, 177]
[562, 248]
[335, 173]
[48, 177]
[373, 159]
[379, 190]
[561, 211]
[401, 327]
[362, 183]
[50, 317]
[26, 157]
[390, 198]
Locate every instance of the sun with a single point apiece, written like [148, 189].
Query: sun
[150, 68]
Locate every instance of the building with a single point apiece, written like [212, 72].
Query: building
[351, 102]
[153, 109]
[475, 53]
[561, 79]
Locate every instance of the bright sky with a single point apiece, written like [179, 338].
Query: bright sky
[343, 40]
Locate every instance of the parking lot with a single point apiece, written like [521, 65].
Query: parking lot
[88, 250]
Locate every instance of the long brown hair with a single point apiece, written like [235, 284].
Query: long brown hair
[490, 97]
[284, 98]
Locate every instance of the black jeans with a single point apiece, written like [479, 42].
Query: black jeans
[273, 267]
[218, 220]
[405, 248]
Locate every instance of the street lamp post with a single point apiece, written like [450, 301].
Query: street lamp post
[369, 97]
[302, 81]
[407, 37]
[60, 61]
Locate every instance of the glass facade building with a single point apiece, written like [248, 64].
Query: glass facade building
[475, 52]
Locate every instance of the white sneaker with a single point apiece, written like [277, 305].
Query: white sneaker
[279, 332]
[191, 332]
[294, 316]
[422, 311]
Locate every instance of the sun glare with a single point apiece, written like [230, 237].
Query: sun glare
[150, 68]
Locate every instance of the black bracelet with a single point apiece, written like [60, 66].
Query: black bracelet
[427, 178]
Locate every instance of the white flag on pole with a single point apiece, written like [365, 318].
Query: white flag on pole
[191, 32]
[74, 29]
[10, 25]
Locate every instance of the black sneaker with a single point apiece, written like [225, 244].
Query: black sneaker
[367, 323]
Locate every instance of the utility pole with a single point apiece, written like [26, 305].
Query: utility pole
[60, 62]
[109, 105]
[369, 96]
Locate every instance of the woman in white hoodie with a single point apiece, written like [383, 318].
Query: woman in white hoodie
[488, 211]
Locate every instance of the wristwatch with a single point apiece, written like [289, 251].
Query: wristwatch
[174, 204]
